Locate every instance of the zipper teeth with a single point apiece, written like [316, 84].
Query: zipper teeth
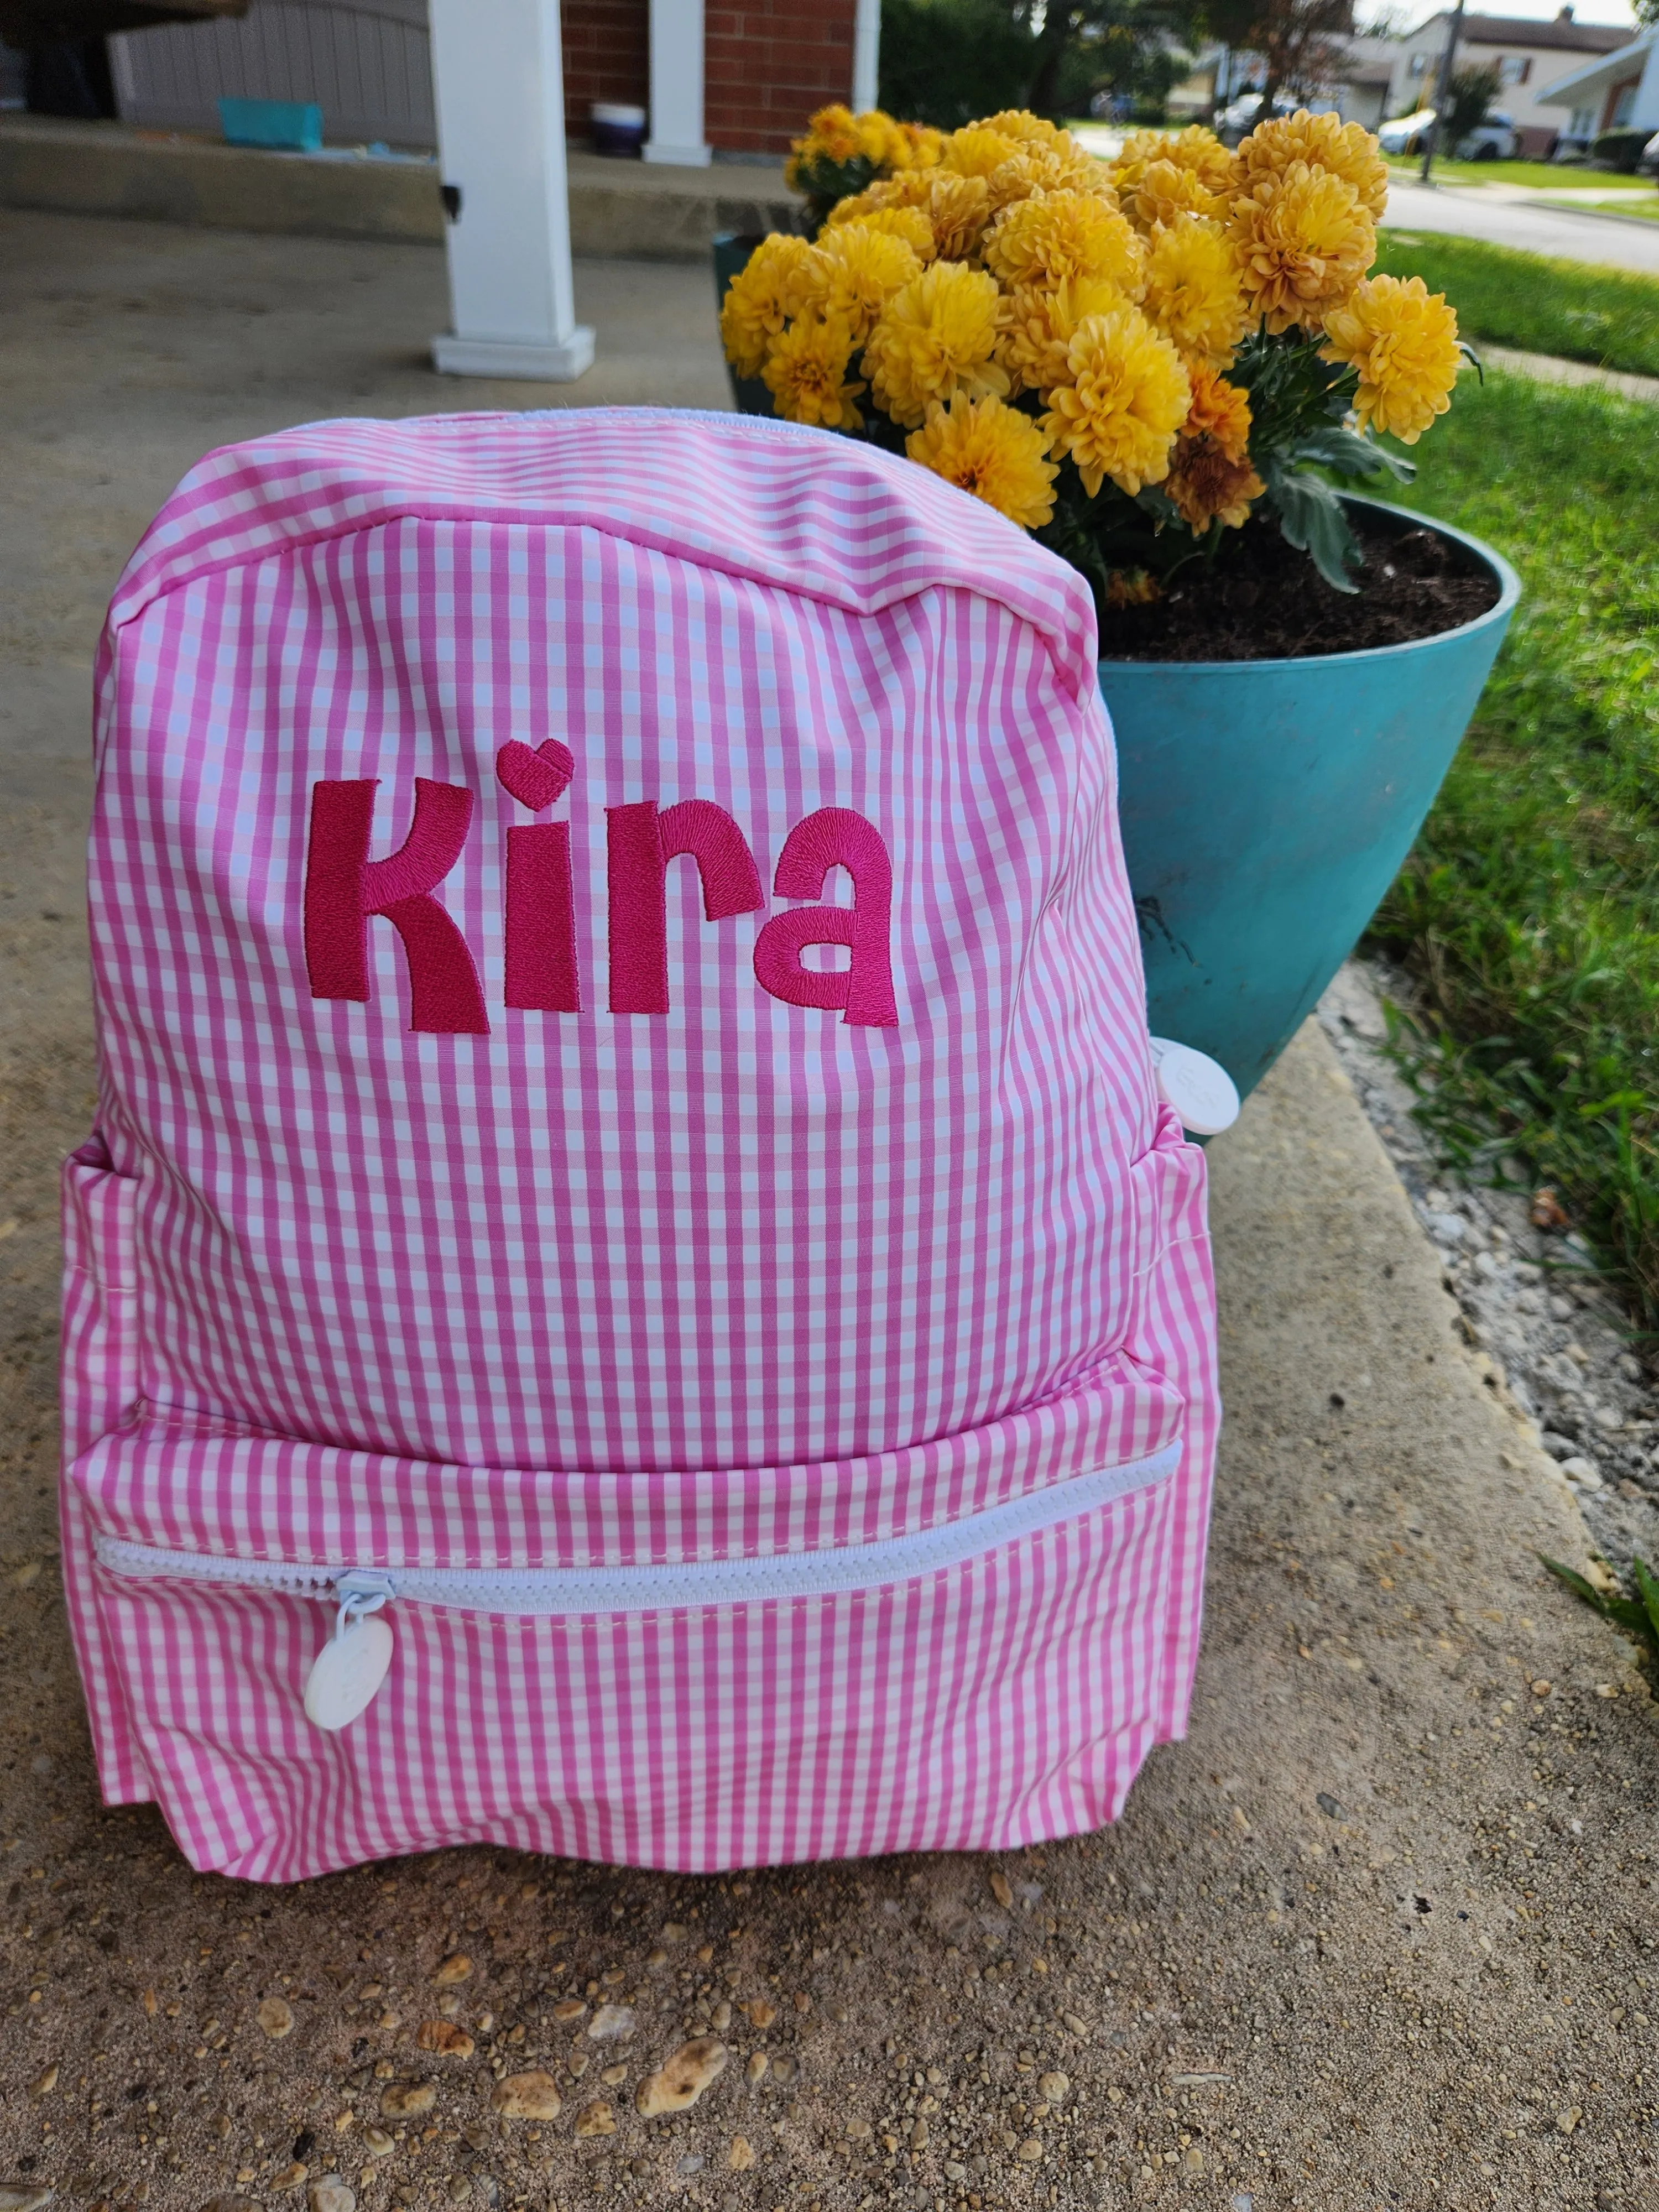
[553, 1590]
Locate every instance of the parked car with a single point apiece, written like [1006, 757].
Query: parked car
[1493, 139]
[1649, 164]
[1239, 117]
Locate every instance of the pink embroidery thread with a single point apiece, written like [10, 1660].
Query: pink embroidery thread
[542, 975]
[639, 843]
[536, 779]
[542, 972]
[834, 837]
[343, 888]
[731, 881]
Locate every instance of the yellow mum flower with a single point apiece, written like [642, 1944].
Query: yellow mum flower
[806, 372]
[1166, 191]
[1210, 477]
[973, 151]
[1195, 149]
[1027, 130]
[936, 339]
[909, 223]
[876, 134]
[914, 146]
[1402, 338]
[910, 188]
[1126, 396]
[1347, 149]
[957, 208]
[1041, 321]
[1193, 291]
[1304, 240]
[863, 267]
[994, 451]
[1059, 234]
[780, 278]
[1077, 172]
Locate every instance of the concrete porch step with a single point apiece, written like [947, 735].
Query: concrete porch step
[618, 208]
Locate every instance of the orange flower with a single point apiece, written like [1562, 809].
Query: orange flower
[1132, 587]
[1210, 477]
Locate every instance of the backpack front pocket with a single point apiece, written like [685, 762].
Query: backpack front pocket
[975, 1679]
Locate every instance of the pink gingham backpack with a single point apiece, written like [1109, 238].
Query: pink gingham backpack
[631, 1295]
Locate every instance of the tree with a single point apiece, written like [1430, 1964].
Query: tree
[1472, 93]
[944, 62]
[1300, 42]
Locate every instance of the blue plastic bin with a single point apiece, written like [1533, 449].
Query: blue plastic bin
[286, 126]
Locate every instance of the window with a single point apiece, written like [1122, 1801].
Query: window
[1583, 122]
[1514, 68]
[1624, 106]
[1420, 64]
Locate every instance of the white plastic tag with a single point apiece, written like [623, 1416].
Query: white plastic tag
[348, 1671]
[1199, 1088]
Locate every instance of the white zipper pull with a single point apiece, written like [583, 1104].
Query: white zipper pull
[1198, 1088]
[354, 1662]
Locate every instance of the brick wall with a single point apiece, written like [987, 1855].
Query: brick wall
[769, 64]
[607, 55]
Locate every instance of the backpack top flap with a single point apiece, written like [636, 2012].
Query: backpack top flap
[471, 1125]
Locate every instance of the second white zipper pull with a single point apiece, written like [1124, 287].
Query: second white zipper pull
[351, 1665]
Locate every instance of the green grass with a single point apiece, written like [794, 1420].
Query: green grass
[1575, 308]
[1529, 908]
[1547, 176]
[1647, 209]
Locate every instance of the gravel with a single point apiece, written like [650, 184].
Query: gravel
[1553, 1340]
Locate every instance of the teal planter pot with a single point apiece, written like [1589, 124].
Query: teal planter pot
[1266, 805]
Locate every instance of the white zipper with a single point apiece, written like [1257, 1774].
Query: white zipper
[352, 1665]
[544, 1591]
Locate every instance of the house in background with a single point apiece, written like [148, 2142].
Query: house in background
[766, 65]
[1358, 90]
[1618, 93]
[1367, 79]
[1527, 57]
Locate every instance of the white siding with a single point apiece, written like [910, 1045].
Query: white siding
[366, 62]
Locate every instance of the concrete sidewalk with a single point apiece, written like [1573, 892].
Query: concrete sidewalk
[1381, 1934]
[1535, 226]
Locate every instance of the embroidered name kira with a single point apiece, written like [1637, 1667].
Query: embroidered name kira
[344, 889]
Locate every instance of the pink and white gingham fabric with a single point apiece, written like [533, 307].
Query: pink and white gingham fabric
[740, 1279]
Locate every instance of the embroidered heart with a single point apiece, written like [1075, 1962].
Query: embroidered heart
[535, 779]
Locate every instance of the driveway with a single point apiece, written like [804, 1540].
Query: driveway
[1488, 212]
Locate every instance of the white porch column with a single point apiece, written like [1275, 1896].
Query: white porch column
[499, 77]
[677, 85]
[866, 54]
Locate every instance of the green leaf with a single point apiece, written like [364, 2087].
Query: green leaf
[1648, 1583]
[1618, 1609]
[1346, 453]
[1310, 515]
